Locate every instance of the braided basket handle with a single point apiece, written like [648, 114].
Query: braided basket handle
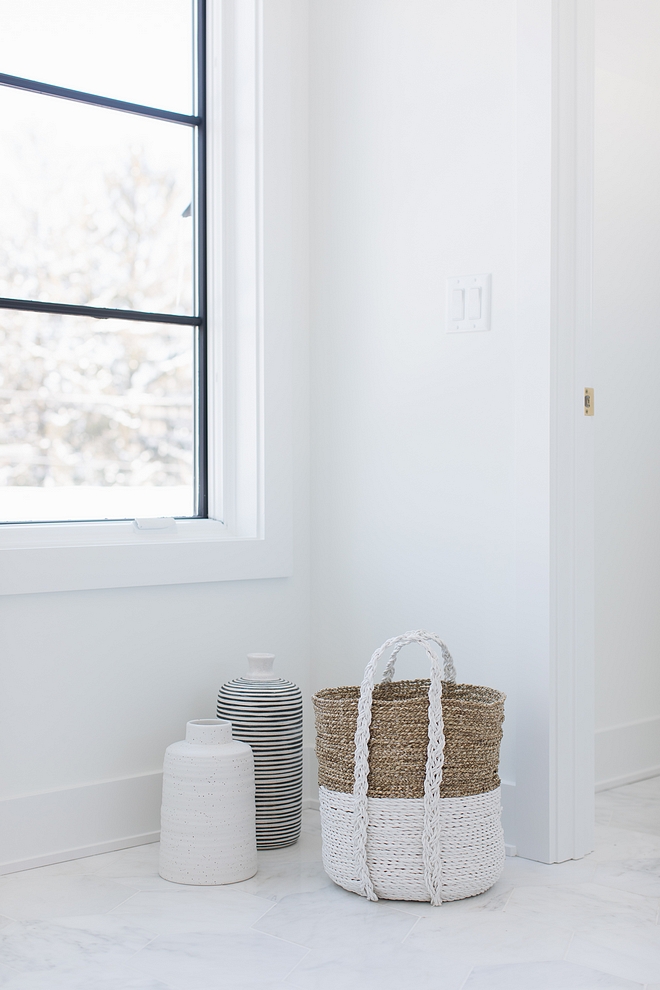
[434, 761]
[417, 636]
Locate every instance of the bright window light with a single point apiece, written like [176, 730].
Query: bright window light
[102, 260]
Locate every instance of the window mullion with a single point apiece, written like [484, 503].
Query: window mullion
[196, 321]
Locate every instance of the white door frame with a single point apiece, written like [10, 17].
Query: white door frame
[554, 444]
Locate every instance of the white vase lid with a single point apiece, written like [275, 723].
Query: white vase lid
[260, 667]
[208, 731]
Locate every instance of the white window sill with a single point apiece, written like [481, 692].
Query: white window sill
[85, 556]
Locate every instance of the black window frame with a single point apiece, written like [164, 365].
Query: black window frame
[197, 121]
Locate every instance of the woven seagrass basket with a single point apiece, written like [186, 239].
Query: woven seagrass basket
[408, 782]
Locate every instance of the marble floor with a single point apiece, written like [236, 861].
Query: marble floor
[111, 923]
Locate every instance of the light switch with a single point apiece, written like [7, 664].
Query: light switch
[473, 304]
[457, 304]
[468, 303]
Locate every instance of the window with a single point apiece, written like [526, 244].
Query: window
[102, 260]
[255, 261]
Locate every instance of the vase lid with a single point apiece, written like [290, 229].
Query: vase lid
[260, 667]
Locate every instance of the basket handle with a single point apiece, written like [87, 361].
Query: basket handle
[434, 761]
[418, 636]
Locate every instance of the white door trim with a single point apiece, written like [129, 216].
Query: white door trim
[554, 447]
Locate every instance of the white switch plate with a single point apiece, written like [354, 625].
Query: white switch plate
[463, 283]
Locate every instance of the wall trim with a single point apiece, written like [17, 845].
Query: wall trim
[72, 823]
[76, 822]
[627, 753]
[554, 441]
[627, 725]
[81, 852]
[310, 778]
[572, 439]
[629, 778]
[508, 791]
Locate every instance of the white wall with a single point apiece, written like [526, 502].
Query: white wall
[627, 420]
[96, 684]
[431, 462]
[413, 180]
[445, 467]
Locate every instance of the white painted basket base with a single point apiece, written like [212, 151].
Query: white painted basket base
[472, 844]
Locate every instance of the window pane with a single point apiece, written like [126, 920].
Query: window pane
[96, 418]
[92, 205]
[135, 50]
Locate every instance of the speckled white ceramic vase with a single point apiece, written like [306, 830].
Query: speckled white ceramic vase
[208, 833]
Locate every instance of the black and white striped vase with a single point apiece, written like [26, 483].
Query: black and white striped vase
[266, 712]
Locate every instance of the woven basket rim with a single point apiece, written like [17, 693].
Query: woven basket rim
[340, 695]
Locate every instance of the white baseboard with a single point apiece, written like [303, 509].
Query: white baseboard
[80, 852]
[310, 777]
[56, 826]
[627, 753]
[508, 791]
[75, 822]
[628, 778]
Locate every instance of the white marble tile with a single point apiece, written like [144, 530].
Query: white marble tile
[334, 916]
[635, 806]
[631, 811]
[544, 976]
[639, 875]
[274, 882]
[6, 974]
[134, 862]
[309, 844]
[614, 843]
[136, 868]
[642, 788]
[627, 860]
[525, 872]
[71, 867]
[290, 927]
[311, 821]
[181, 908]
[67, 943]
[260, 985]
[580, 904]
[490, 940]
[382, 967]
[27, 897]
[86, 977]
[452, 912]
[628, 951]
[196, 961]
[295, 870]
[152, 882]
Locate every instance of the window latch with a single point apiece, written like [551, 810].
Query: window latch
[160, 522]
